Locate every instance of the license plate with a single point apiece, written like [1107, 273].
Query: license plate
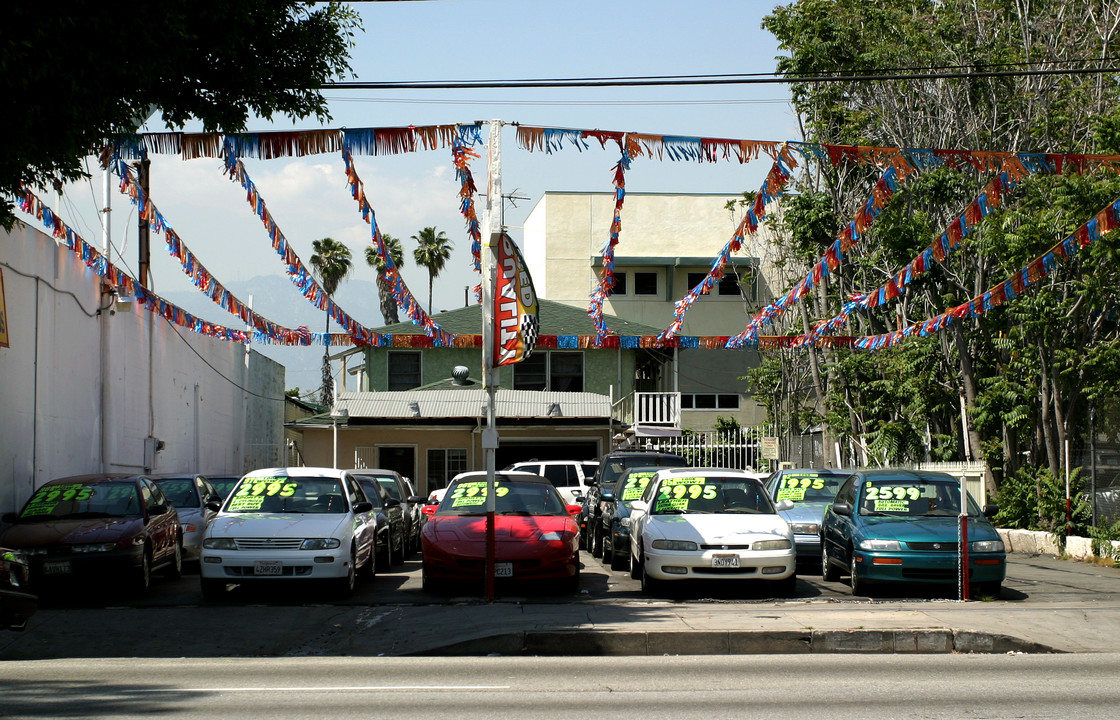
[268, 567]
[725, 561]
[503, 569]
[56, 567]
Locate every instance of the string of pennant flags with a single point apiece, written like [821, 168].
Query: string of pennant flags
[896, 166]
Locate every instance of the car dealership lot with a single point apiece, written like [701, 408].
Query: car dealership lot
[1065, 605]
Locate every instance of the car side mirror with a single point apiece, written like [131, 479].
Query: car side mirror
[214, 505]
[392, 503]
[842, 508]
[157, 509]
[574, 509]
[784, 505]
[991, 510]
[417, 499]
[363, 507]
[606, 496]
[429, 510]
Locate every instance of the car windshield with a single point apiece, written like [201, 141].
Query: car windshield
[511, 497]
[223, 484]
[912, 497]
[180, 491]
[283, 494]
[711, 494]
[82, 500]
[617, 467]
[631, 486]
[807, 487]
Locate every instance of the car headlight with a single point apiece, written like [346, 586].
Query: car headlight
[219, 544]
[624, 522]
[983, 546]
[875, 544]
[675, 545]
[782, 544]
[93, 547]
[802, 528]
[320, 544]
[555, 536]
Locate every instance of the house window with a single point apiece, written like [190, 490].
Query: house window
[619, 284]
[404, 370]
[645, 283]
[729, 285]
[709, 401]
[555, 371]
[444, 464]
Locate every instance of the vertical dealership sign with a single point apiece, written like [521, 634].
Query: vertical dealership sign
[515, 306]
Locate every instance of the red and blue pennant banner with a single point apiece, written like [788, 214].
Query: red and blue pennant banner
[297, 272]
[125, 285]
[461, 153]
[1104, 222]
[264, 330]
[606, 274]
[401, 294]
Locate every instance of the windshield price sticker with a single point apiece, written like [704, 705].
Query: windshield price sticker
[795, 482]
[794, 494]
[48, 498]
[252, 492]
[664, 503]
[676, 493]
[892, 492]
[635, 485]
[467, 494]
[902, 506]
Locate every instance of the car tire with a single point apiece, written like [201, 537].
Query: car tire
[607, 550]
[344, 586]
[430, 585]
[175, 569]
[635, 567]
[618, 560]
[213, 588]
[787, 588]
[596, 542]
[650, 586]
[859, 585]
[142, 580]
[829, 573]
[571, 585]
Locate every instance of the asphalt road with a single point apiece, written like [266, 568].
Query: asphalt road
[683, 688]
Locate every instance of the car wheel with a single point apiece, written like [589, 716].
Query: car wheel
[596, 542]
[618, 560]
[213, 589]
[859, 585]
[143, 577]
[635, 567]
[572, 583]
[607, 548]
[430, 585]
[787, 588]
[649, 585]
[175, 571]
[829, 573]
[344, 586]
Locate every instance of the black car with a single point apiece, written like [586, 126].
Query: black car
[399, 490]
[17, 604]
[611, 468]
[87, 527]
[392, 533]
[613, 530]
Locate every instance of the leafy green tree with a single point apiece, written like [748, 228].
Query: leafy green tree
[79, 78]
[384, 288]
[331, 260]
[433, 249]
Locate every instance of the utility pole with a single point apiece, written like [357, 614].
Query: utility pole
[143, 173]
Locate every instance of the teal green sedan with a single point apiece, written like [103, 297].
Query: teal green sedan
[902, 526]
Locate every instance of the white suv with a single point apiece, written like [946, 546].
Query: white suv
[569, 477]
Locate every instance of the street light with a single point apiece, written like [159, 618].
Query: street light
[338, 415]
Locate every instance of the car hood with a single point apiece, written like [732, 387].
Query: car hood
[191, 515]
[507, 528]
[805, 512]
[924, 529]
[71, 532]
[279, 525]
[717, 528]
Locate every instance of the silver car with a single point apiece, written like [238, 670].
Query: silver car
[189, 493]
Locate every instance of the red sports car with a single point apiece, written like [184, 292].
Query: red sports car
[536, 537]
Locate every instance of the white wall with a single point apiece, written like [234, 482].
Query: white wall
[161, 381]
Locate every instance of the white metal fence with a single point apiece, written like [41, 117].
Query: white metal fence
[735, 448]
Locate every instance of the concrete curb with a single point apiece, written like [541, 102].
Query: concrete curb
[627, 643]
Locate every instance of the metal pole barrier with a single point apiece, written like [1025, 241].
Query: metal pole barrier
[965, 590]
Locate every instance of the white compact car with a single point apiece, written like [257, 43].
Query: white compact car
[569, 477]
[713, 524]
[296, 523]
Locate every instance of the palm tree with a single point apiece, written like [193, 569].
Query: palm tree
[432, 251]
[384, 288]
[331, 260]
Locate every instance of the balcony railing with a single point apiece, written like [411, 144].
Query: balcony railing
[650, 414]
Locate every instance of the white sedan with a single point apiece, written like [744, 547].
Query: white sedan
[296, 523]
[710, 523]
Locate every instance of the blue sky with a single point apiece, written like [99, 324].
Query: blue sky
[471, 40]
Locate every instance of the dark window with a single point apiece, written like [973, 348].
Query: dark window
[729, 285]
[530, 373]
[619, 284]
[645, 283]
[709, 401]
[404, 370]
[565, 372]
[444, 464]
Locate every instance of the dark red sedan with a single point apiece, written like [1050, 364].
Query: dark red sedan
[91, 526]
[536, 537]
